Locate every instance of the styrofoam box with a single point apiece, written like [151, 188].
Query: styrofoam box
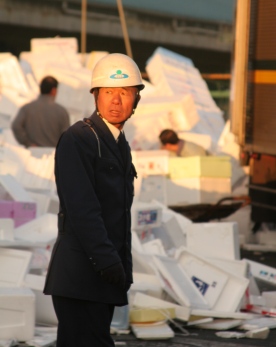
[145, 215]
[120, 320]
[20, 212]
[238, 267]
[14, 264]
[143, 263]
[154, 247]
[178, 284]
[170, 232]
[17, 314]
[146, 283]
[44, 309]
[61, 44]
[153, 187]
[141, 300]
[216, 240]
[207, 166]
[194, 190]
[41, 229]
[223, 290]
[9, 184]
[152, 332]
[263, 274]
[6, 229]
[151, 162]
[46, 202]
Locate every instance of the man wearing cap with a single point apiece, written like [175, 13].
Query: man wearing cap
[90, 270]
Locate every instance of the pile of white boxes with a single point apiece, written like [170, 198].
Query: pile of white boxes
[181, 269]
[182, 181]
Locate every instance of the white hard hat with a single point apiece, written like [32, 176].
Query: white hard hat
[116, 70]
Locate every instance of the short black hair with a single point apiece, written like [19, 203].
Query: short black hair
[168, 136]
[47, 84]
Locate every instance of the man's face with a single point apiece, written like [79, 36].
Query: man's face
[116, 104]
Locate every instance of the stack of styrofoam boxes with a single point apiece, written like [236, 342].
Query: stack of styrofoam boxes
[15, 202]
[33, 170]
[207, 274]
[174, 74]
[42, 189]
[17, 304]
[194, 180]
[15, 90]
[145, 217]
[59, 57]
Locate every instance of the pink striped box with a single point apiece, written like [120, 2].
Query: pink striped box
[20, 212]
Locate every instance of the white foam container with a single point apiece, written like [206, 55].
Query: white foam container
[142, 300]
[178, 284]
[214, 239]
[17, 314]
[41, 229]
[14, 265]
[264, 275]
[9, 184]
[152, 331]
[44, 310]
[145, 215]
[154, 247]
[6, 229]
[222, 289]
[238, 267]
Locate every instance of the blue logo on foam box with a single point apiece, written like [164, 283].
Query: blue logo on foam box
[201, 285]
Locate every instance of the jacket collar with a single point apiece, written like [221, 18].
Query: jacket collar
[103, 131]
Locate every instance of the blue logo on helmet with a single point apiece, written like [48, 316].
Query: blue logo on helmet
[119, 75]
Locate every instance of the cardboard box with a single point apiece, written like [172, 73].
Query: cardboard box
[207, 166]
[263, 170]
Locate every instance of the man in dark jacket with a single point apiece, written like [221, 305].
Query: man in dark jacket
[41, 122]
[90, 270]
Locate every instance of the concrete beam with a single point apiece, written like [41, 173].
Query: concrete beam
[60, 16]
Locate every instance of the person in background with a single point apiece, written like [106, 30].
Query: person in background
[90, 270]
[41, 122]
[177, 147]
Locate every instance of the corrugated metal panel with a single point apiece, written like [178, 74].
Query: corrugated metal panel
[209, 10]
[261, 105]
[266, 30]
[264, 106]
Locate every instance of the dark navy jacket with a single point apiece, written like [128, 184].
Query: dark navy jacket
[96, 193]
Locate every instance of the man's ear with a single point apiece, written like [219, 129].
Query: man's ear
[53, 91]
[138, 97]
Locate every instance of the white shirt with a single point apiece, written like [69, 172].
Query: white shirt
[115, 131]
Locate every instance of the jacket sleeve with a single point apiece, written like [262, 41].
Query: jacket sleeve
[18, 128]
[74, 169]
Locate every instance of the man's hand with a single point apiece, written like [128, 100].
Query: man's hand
[114, 274]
